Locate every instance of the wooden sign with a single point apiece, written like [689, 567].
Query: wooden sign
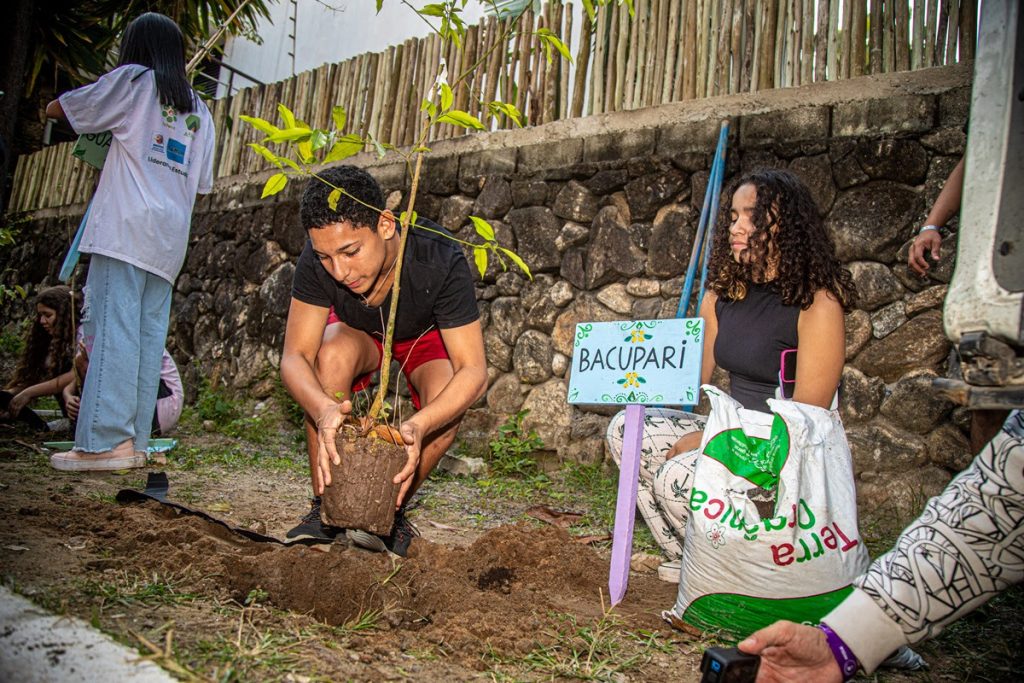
[636, 363]
[647, 362]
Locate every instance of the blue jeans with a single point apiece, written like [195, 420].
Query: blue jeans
[125, 315]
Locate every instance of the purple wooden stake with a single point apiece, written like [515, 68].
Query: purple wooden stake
[625, 503]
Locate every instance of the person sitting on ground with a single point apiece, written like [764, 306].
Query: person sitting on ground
[170, 395]
[774, 285]
[963, 549]
[333, 338]
[45, 364]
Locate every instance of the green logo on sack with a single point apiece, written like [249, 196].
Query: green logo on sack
[759, 461]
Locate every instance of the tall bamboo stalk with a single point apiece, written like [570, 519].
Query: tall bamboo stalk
[582, 61]
[616, 101]
[689, 51]
[747, 66]
[902, 19]
[954, 32]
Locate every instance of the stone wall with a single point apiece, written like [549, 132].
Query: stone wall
[604, 210]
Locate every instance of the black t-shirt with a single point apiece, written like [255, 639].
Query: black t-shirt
[437, 288]
[752, 334]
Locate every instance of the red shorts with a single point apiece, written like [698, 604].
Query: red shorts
[410, 354]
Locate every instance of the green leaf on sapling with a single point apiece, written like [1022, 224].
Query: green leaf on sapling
[339, 116]
[483, 228]
[480, 258]
[447, 97]
[286, 116]
[260, 124]
[275, 184]
[517, 260]
[266, 154]
[461, 118]
[317, 139]
[290, 135]
[346, 146]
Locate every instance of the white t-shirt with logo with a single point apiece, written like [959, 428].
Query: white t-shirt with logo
[158, 160]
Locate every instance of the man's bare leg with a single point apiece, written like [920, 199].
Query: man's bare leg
[430, 379]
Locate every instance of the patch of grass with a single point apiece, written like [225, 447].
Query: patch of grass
[512, 449]
[603, 650]
[986, 645]
[127, 589]
[12, 340]
[596, 486]
[232, 456]
[214, 404]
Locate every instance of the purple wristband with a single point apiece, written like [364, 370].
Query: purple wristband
[845, 658]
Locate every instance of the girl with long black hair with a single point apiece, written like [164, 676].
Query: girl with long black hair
[160, 157]
[45, 364]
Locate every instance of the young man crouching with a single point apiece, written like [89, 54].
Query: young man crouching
[341, 296]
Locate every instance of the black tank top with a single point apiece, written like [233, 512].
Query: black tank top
[752, 334]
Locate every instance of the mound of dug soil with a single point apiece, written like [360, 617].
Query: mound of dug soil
[502, 593]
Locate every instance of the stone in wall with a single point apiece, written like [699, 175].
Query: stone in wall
[919, 343]
[532, 357]
[529, 192]
[536, 229]
[571, 235]
[455, 211]
[499, 354]
[948, 448]
[898, 159]
[506, 395]
[914, 405]
[879, 447]
[584, 309]
[575, 203]
[495, 199]
[860, 396]
[876, 285]
[858, 332]
[816, 172]
[611, 252]
[903, 493]
[649, 193]
[615, 297]
[672, 235]
[607, 181]
[887, 319]
[892, 209]
[550, 416]
[507, 319]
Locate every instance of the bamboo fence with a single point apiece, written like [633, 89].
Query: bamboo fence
[668, 51]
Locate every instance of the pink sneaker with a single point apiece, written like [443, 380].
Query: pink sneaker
[122, 457]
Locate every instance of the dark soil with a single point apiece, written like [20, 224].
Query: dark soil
[362, 493]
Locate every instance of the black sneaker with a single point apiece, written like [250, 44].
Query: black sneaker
[401, 534]
[311, 529]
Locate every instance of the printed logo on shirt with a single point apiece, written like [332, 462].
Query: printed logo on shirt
[158, 143]
[169, 113]
[176, 150]
[192, 122]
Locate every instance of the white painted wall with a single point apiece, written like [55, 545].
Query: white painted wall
[324, 35]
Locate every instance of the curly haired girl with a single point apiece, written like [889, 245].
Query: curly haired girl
[775, 285]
